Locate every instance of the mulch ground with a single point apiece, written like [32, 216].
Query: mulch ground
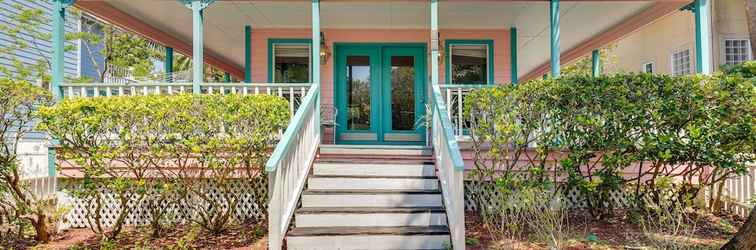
[618, 231]
[245, 236]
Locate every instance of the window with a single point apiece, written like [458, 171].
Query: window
[291, 62]
[681, 62]
[736, 51]
[469, 62]
[648, 67]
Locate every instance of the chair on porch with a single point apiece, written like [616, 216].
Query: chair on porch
[328, 120]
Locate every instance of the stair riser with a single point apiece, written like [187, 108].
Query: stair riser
[371, 200]
[370, 219]
[414, 170]
[368, 242]
[322, 183]
[375, 152]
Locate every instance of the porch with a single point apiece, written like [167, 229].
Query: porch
[367, 72]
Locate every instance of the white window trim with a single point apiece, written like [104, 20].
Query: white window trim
[691, 63]
[723, 49]
[653, 67]
[488, 60]
[309, 59]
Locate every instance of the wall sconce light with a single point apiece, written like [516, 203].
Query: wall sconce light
[325, 52]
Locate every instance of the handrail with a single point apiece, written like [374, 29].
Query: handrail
[289, 165]
[295, 125]
[446, 126]
[451, 169]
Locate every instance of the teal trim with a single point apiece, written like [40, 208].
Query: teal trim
[596, 63]
[380, 87]
[447, 58]
[513, 53]
[555, 30]
[291, 133]
[168, 64]
[226, 77]
[273, 41]
[58, 40]
[248, 54]
[51, 164]
[702, 13]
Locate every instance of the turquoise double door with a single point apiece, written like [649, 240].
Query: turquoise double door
[379, 93]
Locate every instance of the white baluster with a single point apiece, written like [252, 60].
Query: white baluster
[70, 91]
[170, 90]
[459, 111]
[210, 90]
[244, 90]
[222, 90]
[107, 89]
[96, 91]
[233, 89]
[120, 90]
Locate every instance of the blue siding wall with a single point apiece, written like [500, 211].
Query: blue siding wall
[40, 49]
[90, 61]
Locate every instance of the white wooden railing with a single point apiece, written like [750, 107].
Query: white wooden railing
[450, 168]
[293, 92]
[289, 165]
[42, 188]
[740, 192]
[455, 95]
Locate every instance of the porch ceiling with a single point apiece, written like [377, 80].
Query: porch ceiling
[225, 20]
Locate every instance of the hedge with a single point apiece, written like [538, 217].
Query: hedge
[181, 145]
[589, 132]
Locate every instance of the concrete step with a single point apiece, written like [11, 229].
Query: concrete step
[373, 169]
[375, 150]
[371, 198]
[340, 182]
[434, 237]
[370, 217]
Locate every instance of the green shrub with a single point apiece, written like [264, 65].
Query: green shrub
[18, 205]
[593, 131]
[130, 145]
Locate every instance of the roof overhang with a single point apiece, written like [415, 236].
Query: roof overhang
[585, 25]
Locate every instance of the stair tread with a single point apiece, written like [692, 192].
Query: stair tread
[371, 191]
[338, 231]
[368, 210]
[373, 176]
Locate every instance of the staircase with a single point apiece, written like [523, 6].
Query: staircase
[371, 197]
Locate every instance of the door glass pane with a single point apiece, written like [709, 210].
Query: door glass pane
[358, 92]
[402, 92]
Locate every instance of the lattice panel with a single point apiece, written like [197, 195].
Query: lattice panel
[251, 196]
[477, 193]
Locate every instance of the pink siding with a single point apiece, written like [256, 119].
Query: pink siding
[260, 39]
[260, 48]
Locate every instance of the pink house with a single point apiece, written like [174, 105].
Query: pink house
[369, 168]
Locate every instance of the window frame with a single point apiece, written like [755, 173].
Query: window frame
[691, 69]
[653, 67]
[489, 60]
[272, 42]
[723, 48]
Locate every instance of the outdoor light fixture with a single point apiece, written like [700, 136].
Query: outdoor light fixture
[325, 53]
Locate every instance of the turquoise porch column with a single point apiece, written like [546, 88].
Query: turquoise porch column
[316, 58]
[198, 66]
[248, 54]
[596, 63]
[702, 11]
[168, 64]
[58, 44]
[554, 16]
[513, 53]
[434, 42]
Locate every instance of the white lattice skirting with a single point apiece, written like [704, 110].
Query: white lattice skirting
[250, 194]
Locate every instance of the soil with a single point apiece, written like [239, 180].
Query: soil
[245, 236]
[619, 231]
